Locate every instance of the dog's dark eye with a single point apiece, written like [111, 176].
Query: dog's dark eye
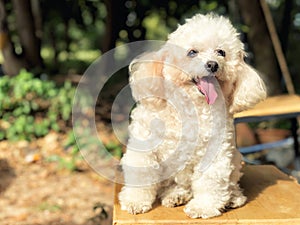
[192, 53]
[221, 52]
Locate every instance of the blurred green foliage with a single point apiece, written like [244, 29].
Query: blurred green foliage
[69, 163]
[73, 33]
[115, 149]
[31, 107]
[88, 26]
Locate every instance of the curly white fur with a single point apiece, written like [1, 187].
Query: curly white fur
[169, 149]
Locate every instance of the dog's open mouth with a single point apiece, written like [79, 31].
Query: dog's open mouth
[206, 86]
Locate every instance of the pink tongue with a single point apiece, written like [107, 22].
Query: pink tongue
[206, 86]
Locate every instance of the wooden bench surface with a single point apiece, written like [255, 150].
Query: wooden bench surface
[273, 198]
[282, 104]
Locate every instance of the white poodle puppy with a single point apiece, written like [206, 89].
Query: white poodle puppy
[181, 147]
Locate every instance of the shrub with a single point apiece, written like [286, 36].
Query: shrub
[31, 107]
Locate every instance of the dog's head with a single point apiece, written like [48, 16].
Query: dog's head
[205, 46]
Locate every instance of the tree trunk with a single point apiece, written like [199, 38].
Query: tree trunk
[12, 63]
[115, 21]
[31, 45]
[37, 15]
[285, 25]
[260, 42]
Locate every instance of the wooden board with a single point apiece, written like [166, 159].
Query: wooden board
[273, 198]
[277, 105]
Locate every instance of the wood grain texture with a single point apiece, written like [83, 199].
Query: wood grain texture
[277, 105]
[273, 198]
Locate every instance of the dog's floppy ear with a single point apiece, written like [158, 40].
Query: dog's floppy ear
[249, 88]
[147, 80]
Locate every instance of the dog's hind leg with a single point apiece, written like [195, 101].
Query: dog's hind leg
[179, 191]
[237, 198]
[175, 195]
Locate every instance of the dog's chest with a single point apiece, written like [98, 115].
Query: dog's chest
[188, 113]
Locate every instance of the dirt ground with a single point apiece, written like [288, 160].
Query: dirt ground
[35, 191]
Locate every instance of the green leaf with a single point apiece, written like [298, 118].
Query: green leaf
[2, 135]
[55, 127]
[25, 99]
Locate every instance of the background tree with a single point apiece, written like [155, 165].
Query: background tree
[27, 54]
[260, 43]
[70, 34]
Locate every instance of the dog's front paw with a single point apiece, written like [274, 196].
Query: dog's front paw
[136, 207]
[136, 200]
[194, 209]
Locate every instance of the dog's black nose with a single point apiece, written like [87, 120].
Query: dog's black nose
[211, 66]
